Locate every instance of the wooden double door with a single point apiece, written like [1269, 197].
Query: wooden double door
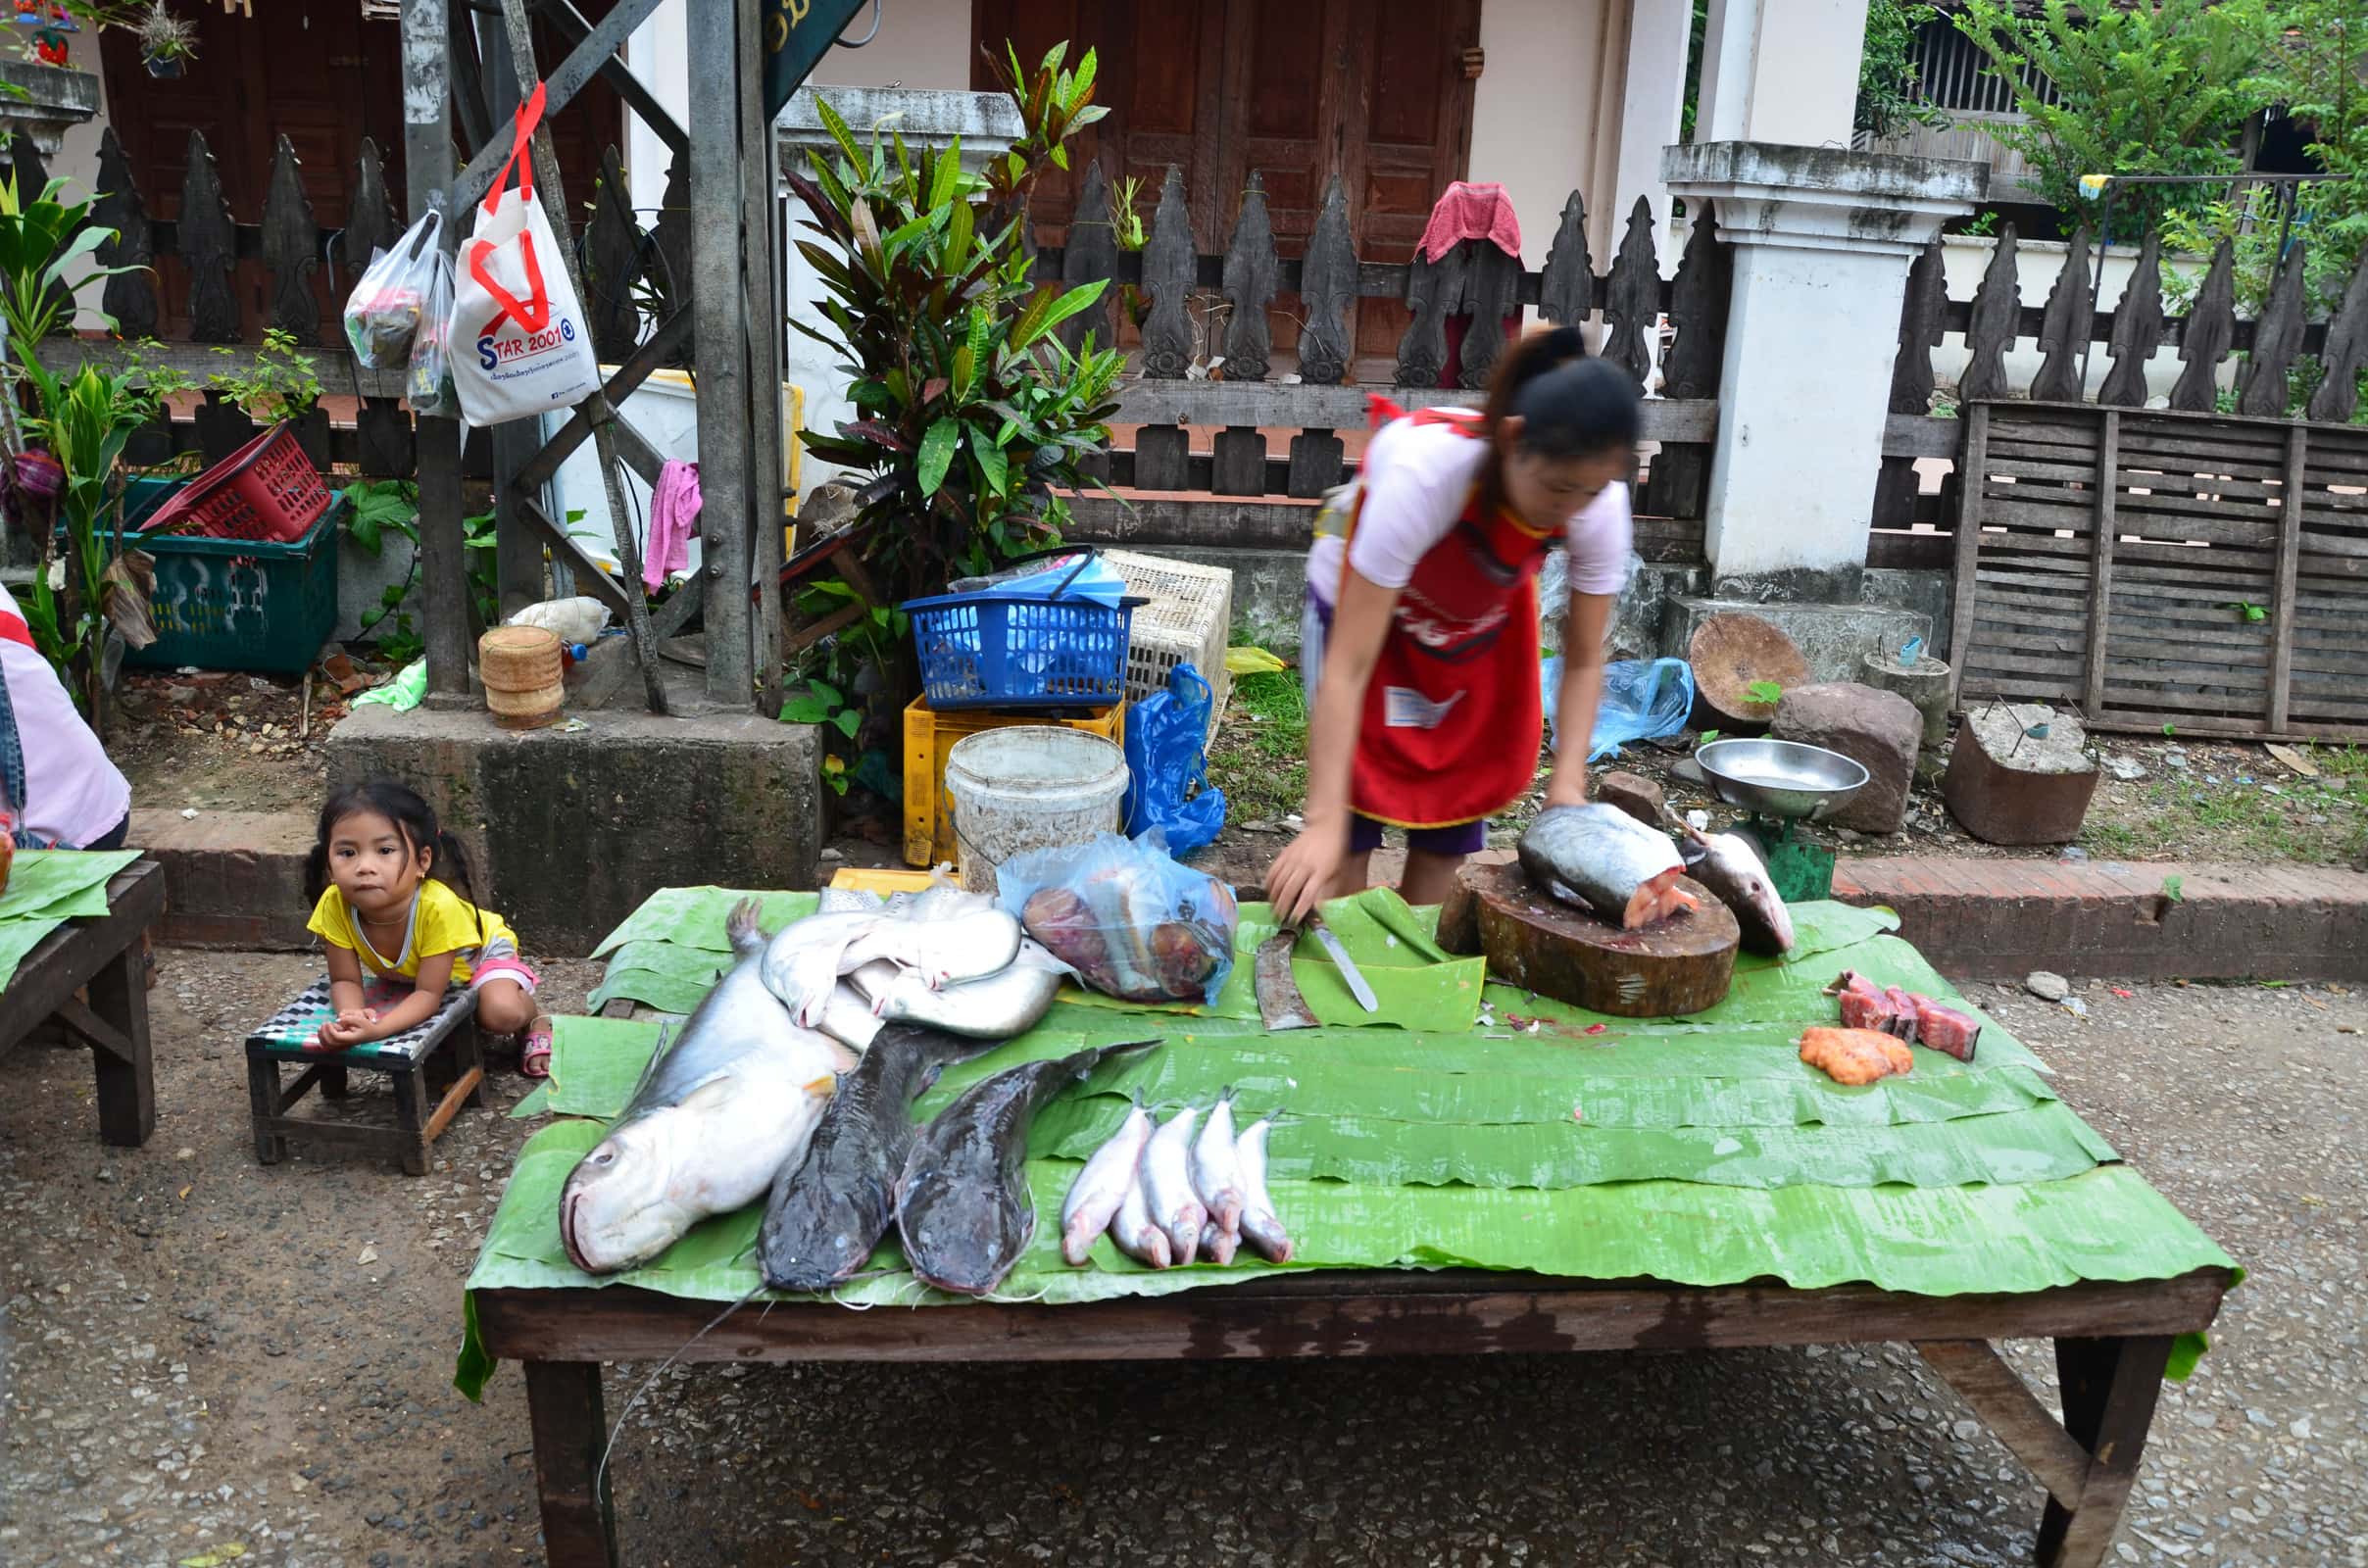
[1302, 91]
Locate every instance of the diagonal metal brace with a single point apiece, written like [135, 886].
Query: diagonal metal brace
[596, 408]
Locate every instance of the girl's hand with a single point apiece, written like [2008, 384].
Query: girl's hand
[1302, 874]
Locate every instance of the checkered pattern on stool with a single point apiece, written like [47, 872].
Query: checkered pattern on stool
[433, 1070]
[297, 1026]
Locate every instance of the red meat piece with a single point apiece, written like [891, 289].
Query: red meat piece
[1945, 1029]
[1863, 1002]
[1902, 1005]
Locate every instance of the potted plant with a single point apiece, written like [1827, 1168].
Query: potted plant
[273, 383]
[972, 417]
[167, 42]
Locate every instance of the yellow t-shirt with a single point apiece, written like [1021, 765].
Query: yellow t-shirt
[441, 921]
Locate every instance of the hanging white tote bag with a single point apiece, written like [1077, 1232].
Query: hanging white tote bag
[519, 343]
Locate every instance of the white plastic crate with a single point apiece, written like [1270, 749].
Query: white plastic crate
[1188, 621]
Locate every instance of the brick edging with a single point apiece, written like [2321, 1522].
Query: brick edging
[2000, 919]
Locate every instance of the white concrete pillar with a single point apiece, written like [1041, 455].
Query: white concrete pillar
[1651, 107]
[1780, 70]
[661, 58]
[1822, 244]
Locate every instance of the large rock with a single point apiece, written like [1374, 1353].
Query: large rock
[1879, 730]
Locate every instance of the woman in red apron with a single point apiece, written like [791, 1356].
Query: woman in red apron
[1423, 621]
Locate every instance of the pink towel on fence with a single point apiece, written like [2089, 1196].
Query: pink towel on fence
[1471, 210]
[674, 518]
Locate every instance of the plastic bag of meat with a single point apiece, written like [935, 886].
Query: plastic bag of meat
[1120, 912]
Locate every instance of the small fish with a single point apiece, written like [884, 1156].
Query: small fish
[848, 1018]
[962, 1208]
[1101, 1187]
[1132, 1228]
[1259, 1226]
[1010, 1002]
[1167, 1186]
[1217, 1172]
[1725, 863]
[801, 962]
[1600, 858]
[1220, 1244]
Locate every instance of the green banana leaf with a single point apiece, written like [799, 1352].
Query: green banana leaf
[693, 918]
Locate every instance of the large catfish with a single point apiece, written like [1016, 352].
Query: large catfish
[829, 1208]
[716, 1115]
[963, 1207]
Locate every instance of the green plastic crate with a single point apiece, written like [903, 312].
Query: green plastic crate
[241, 603]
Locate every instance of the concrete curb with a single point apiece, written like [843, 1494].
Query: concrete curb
[232, 879]
[2002, 919]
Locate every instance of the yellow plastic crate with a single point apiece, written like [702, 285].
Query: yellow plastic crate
[867, 879]
[930, 735]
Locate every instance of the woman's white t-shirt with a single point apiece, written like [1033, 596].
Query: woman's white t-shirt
[1417, 478]
[75, 793]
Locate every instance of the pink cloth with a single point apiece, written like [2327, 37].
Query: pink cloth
[674, 518]
[1471, 210]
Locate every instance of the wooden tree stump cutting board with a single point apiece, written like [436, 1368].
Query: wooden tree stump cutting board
[1537, 942]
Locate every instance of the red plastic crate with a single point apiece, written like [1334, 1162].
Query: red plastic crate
[268, 489]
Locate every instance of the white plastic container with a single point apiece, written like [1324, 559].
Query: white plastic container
[1031, 787]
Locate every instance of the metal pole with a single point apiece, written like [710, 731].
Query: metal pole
[428, 160]
[718, 238]
[555, 207]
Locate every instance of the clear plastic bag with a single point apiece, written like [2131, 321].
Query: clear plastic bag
[428, 385]
[1133, 922]
[1166, 760]
[1644, 700]
[382, 315]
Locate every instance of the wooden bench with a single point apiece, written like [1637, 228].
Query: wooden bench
[442, 1058]
[106, 959]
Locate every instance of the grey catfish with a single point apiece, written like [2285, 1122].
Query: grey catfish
[1010, 1002]
[829, 1210]
[716, 1115]
[1600, 857]
[963, 1207]
[1724, 863]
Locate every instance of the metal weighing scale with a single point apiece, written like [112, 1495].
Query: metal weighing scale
[1783, 784]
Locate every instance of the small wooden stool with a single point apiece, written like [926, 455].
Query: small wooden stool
[442, 1058]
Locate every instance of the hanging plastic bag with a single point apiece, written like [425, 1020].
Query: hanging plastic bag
[428, 385]
[524, 349]
[1166, 760]
[382, 315]
[1644, 700]
[1133, 922]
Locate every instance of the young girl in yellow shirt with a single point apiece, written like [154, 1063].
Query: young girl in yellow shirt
[383, 875]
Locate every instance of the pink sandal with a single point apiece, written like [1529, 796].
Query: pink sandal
[534, 1058]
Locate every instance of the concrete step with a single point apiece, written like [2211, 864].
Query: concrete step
[2000, 919]
[232, 879]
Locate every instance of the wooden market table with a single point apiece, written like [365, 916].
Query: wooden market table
[2112, 1343]
[105, 955]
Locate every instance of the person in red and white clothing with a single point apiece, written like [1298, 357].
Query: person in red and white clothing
[54, 774]
[1423, 621]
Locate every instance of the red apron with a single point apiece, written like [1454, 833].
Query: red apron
[1453, 716]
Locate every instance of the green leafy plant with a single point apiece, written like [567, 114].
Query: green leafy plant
[972, 417]
[2174, 888]
[1707, 736]
[165, 36]
[2161, 88]
[821, 703]
[1889, 95]
[375, 509]
[2248, 611]
[2170, 732]
[1765, 693]
[1981, 226]
[270, 384]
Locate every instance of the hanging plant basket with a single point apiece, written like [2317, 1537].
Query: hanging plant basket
[164, 67]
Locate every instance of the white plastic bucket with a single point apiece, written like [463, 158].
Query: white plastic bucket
[1031, 787]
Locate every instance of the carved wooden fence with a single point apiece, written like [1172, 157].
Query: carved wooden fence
[2170, 567]
[2070, 332]
[1203, 308]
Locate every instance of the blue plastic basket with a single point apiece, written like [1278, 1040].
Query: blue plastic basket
[1039, 652]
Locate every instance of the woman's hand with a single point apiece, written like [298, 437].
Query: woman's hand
[1567, 787]
[1302, 874]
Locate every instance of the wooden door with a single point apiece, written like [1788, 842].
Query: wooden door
[323, 78]
[1297, 92]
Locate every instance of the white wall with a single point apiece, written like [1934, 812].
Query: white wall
[2037, 266]
[1781, 71]
[923, 43]
[1534, 107]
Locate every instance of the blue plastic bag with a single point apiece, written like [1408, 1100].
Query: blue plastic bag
[1125, 916]
[1167, 760]
[1644, 700]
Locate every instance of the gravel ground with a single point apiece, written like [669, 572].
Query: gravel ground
[197, 1352]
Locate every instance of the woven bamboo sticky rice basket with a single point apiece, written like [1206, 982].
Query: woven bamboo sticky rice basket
[520, 668]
